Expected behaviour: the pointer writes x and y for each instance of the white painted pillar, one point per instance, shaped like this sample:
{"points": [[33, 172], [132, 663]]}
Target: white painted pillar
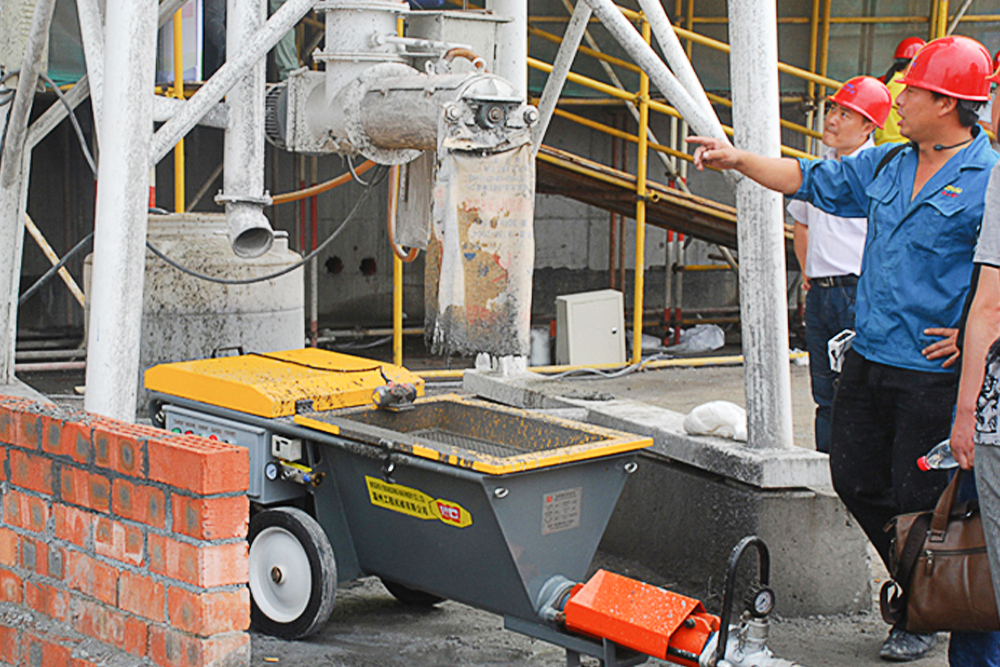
{"points": [[92, 36], [122, 197], [14, 167], [753, 37], [243, 179], [512, 42]]}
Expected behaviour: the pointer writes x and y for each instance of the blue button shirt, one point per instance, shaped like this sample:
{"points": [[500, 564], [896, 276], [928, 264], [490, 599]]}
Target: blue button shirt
{"points": [[918, 254]]}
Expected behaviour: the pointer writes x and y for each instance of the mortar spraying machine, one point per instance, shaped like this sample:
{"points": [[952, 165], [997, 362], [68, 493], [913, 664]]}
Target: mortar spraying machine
{"points": [[354, 473]]}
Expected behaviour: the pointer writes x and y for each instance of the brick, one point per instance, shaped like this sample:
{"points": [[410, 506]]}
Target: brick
{"points": [[74, 525], [205, 566], [7, 424], [117, 449], [210, 518], [109, 626], [24, 511], [27, 429], [35, 556], [207, 614], [11, 587], [67, 438], [141, 596], [138, 502], [199, 465], [91, 577], [3, 464], [47, 600], [80, 487], [113, 539], [39, 652], [10, 545], [10, 644], [170, 648], [31, 472]]}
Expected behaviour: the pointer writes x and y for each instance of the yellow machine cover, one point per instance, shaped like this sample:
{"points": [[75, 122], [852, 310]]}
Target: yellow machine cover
{"points": [[270, 385]]}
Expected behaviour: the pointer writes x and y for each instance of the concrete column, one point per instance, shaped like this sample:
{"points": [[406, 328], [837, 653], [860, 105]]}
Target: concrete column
{"points": [[122, 197], [92, 36], [512, 42], [14, 168], [753, 37], [243, 179]]}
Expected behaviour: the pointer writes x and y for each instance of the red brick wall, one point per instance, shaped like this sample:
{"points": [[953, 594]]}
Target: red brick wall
{"points": [[119, 540]]}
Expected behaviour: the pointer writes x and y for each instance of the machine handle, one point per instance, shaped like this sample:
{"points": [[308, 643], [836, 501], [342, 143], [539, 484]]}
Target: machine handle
{"points": [[764, 576]]}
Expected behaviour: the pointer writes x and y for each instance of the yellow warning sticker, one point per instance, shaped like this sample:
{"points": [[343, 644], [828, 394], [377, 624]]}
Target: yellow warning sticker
{"points": [[403, 499]]}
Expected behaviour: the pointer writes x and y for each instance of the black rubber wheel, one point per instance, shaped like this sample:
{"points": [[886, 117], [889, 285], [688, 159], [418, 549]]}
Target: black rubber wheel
{"points": [[411, 596], [293, 574]]}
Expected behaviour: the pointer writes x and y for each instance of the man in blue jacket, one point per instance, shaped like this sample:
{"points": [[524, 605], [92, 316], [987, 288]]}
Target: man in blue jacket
{"points": [[924, 204]]}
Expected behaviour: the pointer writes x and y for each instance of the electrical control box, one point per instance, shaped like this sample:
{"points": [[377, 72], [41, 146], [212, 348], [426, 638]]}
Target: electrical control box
{"points": [[258, 441], [590, 328]]}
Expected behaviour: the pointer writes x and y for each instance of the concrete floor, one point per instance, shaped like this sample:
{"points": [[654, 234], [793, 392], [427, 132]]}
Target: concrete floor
{"points": [[369, 628]]}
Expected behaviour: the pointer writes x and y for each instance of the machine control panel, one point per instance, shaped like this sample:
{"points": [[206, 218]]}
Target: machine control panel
{"points": [[260, 442]]}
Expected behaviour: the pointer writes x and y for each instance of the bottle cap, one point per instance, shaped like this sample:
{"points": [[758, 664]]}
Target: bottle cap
{"points": [[923, 464]]}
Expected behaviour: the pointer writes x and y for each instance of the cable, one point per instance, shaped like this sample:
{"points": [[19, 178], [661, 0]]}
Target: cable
{"points": [[606, 375], [55, 267], [247, 281], [350, 167], [73, 120]]}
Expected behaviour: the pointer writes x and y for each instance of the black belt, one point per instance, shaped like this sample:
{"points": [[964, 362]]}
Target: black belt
{"points": [[849, 280]]}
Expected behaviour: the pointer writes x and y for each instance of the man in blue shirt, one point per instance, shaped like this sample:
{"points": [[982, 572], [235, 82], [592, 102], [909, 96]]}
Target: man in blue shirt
{"points": [[924, 203]]}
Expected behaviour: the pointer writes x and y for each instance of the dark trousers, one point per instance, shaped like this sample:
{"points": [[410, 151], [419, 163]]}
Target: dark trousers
{"points": [[884, 418], [829, 310]]}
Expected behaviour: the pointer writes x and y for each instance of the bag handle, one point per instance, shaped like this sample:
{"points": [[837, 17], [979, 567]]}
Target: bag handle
{"points": [[939, 524]]}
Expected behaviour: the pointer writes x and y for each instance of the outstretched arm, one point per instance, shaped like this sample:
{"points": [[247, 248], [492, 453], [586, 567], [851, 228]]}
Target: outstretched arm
{"points": [[781, 174]]}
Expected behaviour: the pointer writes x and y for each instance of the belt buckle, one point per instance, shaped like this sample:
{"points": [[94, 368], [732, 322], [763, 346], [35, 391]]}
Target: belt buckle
{"points": [[826, 281]]}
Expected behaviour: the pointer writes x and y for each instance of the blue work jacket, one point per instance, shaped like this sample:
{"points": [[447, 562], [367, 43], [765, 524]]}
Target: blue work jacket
{"points": [[918, 254]]}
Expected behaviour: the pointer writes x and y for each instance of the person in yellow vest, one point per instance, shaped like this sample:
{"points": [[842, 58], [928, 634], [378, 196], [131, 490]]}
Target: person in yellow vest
{"points": [[905, 51]]}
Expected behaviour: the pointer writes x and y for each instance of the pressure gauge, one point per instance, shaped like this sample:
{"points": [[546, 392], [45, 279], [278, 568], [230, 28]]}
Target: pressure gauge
{"points": [[762, 602], [271, 471]]}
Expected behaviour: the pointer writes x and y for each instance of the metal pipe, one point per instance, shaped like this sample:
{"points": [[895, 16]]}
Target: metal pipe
{"points": [[958, 16], [942, 19], [115, 326], [178, 30], [763, 306], [811, 87], [644, 56], [250, 51], [640, 208], [512, 42], [397, 272], [15, 164], [243, 194], [52, 366], [668, 163], [164, 108], [677, 58], [48, 355], [314, 264], [560, 68], [53, 258]]}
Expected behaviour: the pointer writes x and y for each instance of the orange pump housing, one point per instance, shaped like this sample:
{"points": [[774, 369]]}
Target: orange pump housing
{"points": [[640, 616]]}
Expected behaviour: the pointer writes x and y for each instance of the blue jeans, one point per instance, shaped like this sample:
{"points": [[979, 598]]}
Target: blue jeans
{"points": [[973, 649], [829, 310]]}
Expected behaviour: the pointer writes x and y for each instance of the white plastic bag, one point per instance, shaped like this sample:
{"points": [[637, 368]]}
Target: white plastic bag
{"points": [[719, 418], [699, 338]]}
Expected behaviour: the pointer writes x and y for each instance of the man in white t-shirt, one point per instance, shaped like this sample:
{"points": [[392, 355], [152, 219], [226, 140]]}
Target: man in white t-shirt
{"points": [[828, 247]]}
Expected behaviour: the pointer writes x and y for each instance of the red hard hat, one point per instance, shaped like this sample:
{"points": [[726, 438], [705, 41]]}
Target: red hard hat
{"points": [[908, 48], [954, 66], [866, 95]]}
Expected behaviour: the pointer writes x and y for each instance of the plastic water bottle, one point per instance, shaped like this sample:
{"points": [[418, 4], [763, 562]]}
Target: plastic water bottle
{"points": [[939, 458]]}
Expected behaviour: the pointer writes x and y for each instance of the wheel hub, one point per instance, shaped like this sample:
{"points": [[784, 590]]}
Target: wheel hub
{"points": [[280, 575]]}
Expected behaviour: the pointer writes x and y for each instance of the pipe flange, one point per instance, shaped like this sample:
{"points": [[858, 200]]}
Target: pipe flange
{"points": [[351, 97], [362, 5], [263, 200]]}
